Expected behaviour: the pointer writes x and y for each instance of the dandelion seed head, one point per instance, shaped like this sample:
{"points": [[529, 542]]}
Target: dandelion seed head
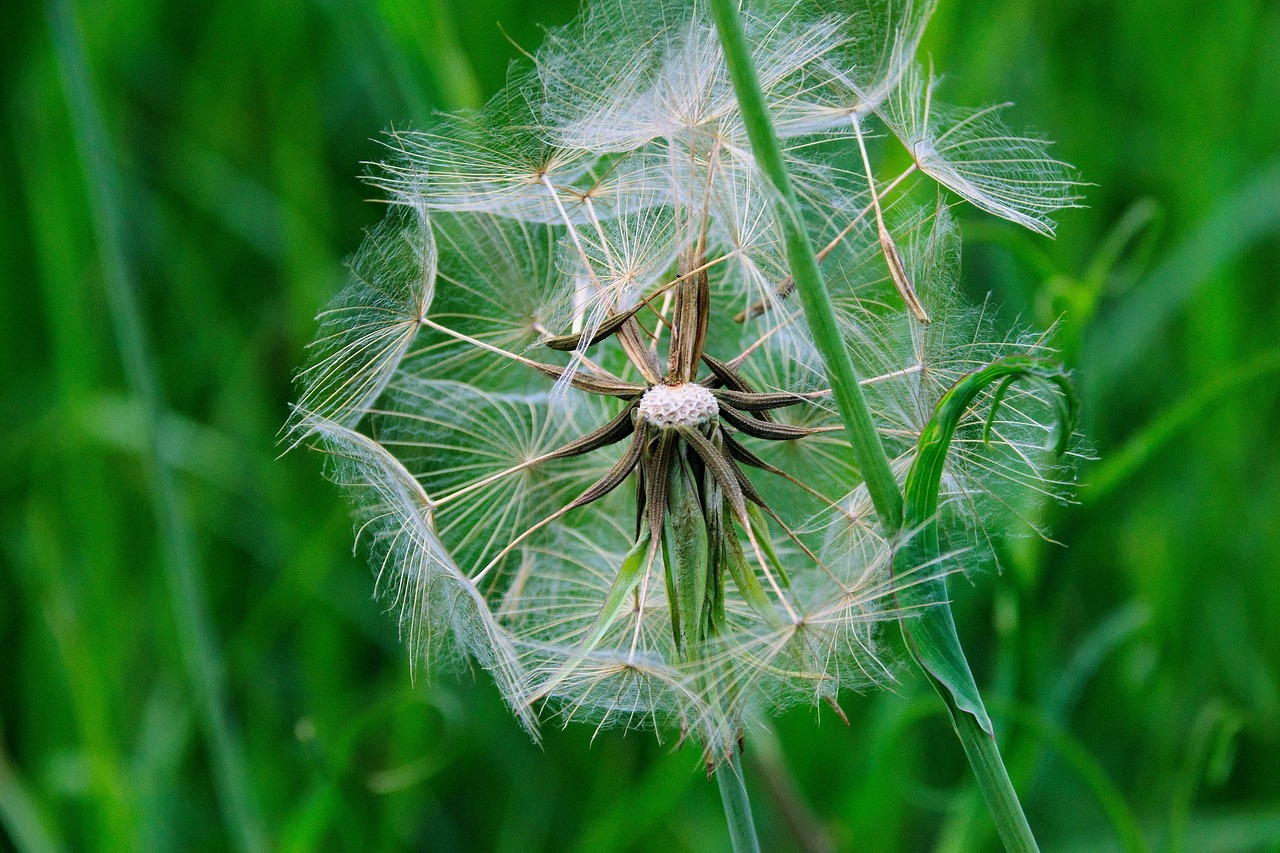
{"points": [[578, 411]]}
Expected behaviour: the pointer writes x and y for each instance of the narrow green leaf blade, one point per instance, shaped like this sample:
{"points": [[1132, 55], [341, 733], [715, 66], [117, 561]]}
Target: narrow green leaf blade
{"points": [[629, 574], [685, 552], [931, 634], [931, 630]]}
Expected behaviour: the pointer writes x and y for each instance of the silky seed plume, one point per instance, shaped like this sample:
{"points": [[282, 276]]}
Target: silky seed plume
{"points": [[575, 403]]}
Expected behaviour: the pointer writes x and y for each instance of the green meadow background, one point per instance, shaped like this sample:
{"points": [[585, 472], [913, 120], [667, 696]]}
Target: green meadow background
{"points": [[189, 655]]}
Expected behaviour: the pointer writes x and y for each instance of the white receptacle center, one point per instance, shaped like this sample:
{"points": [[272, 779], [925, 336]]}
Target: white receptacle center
{"points": [[669, 406]]}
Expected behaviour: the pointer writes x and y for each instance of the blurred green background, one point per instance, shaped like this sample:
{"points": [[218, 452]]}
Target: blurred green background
{"points": [[189, 656]]}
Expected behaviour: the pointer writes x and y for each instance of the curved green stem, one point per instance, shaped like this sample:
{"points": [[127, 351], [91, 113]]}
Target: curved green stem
{"points": [[737, 808], [931, 631]]}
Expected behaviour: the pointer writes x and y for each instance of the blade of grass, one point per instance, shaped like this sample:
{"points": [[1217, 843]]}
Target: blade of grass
{"points": [[807, 832], [643, 806], [1215, 723], [72, 495], [197, 645], [431, 30], [88, 688], [1121, 817]]}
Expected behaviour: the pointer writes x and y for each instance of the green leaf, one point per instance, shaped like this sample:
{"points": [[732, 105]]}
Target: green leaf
{"points": [[931, 635], [718, 528], [928, 625], [746, 581], [629, 574], [931, 631], [632, 569]]}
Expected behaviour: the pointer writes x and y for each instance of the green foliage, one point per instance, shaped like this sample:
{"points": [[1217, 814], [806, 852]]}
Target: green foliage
{"points": [[1132, 673]]}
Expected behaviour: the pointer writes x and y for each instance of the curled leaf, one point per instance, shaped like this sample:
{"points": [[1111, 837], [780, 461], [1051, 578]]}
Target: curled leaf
{"points": [[931, 631]]}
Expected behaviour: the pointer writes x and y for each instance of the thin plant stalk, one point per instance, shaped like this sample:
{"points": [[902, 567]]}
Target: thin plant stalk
{"points": [[737, 807], [993, 781], [819, 312], [931, 634], [868, 451], [196, 641]]}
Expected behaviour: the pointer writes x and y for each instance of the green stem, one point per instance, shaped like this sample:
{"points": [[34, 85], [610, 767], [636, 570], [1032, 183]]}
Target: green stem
{"points": [[737, 808], [931, 632], [820, 314], [867, 449], [993, 780]]}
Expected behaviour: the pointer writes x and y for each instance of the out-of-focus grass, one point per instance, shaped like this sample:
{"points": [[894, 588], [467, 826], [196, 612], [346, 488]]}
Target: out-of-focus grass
{"points": [[1134, 671]]}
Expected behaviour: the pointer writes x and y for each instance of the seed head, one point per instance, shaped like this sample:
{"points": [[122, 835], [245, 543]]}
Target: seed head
{"points": [[576, 407], [683, 405]]}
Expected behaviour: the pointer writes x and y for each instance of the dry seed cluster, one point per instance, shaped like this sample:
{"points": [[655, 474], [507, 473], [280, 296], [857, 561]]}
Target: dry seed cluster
{"points": [[580, 287]]}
